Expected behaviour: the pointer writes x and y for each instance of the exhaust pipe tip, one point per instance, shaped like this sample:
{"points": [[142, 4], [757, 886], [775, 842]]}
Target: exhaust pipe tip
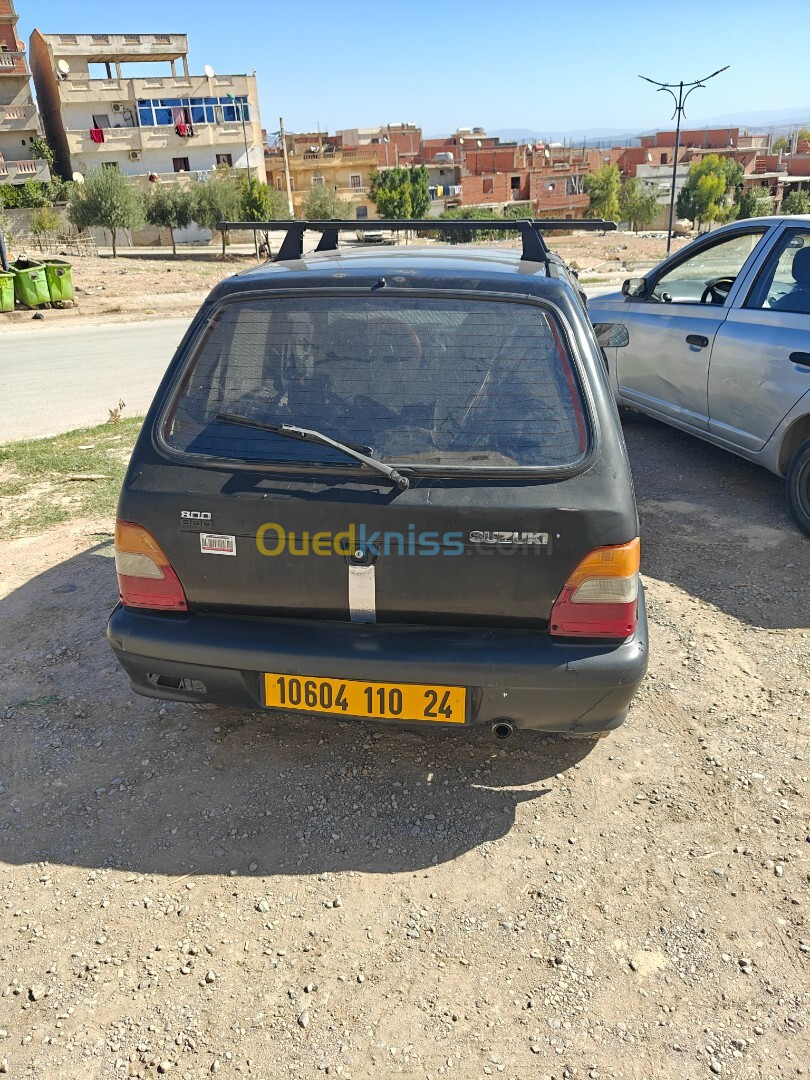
{"points": [[502, 729]]}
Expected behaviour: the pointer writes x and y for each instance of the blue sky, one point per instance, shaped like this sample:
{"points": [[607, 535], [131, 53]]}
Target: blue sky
{"points": [[538, 65]]}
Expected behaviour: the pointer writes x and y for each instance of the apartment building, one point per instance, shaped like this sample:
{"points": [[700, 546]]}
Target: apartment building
{"points": [[315, 158], [171, 124], [19, 121]]}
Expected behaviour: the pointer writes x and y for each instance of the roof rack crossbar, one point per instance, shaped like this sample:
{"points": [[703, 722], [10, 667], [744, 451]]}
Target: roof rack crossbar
{"points": [[531, 230]]}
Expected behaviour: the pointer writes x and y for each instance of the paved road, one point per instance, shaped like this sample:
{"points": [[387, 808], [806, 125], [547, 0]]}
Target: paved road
{"points": [[55, 378]]}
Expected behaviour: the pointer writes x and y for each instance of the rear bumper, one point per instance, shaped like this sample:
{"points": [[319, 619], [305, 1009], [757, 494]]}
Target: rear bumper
{"points": [[519, 675]]}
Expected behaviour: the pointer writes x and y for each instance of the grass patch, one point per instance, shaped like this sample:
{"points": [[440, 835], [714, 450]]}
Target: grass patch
{"points": [[35, 486], [592, 280]]}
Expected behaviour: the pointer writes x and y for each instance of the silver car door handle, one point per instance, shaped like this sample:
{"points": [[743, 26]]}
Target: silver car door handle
{"points": [[697, 339], [800, 358]]}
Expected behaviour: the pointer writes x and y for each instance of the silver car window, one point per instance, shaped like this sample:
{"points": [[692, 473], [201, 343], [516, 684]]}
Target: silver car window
{"points": [[784, 284], [706, 276]]}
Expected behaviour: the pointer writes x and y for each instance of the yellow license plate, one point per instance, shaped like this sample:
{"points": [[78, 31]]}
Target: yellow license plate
{"points": [[367, 700]]}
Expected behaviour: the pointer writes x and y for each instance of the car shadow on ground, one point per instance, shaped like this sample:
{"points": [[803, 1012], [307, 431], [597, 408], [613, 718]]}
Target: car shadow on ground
{"points": [[717, 526], [93, 775]]}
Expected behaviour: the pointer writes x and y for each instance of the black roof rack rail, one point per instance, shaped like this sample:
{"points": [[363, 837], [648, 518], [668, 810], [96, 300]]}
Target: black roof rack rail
{"points": [[530, 229]]}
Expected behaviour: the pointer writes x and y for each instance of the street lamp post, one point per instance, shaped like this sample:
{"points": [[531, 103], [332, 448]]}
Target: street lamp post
{"points": [[239, 105], [680, 102]]}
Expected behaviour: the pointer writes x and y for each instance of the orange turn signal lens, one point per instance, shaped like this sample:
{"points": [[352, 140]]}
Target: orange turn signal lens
{"points": [[146, 578]]}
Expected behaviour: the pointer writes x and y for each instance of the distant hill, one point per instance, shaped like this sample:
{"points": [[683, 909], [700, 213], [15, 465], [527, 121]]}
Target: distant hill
{"points": [[766, 120]]}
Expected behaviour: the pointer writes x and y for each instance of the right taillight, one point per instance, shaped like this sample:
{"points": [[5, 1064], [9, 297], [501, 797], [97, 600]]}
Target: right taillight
{"points": [[146, 578], [600, 598]]}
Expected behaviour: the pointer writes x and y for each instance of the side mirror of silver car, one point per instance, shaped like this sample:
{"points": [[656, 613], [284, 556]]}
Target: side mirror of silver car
{"points": [[635, 286]]}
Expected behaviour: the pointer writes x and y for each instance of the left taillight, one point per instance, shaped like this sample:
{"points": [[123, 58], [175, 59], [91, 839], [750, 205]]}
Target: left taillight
{"points": [[146, 578], [600, 598]]}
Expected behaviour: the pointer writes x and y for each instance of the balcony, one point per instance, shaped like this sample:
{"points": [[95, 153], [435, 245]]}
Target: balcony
{"points": [[123, 138], [18, 118], [12, 63], [18, 172], [125, 48]]}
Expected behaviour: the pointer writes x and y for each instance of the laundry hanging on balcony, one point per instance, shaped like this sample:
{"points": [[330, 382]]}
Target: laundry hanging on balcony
{"points": [[97, 135], [186, 130], [182, 121]]}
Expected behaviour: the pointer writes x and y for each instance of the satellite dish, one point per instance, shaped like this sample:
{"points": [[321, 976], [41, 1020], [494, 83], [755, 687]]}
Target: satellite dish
{"points": [[78, 177], [478, 142], [209, 71], [63, 67]]}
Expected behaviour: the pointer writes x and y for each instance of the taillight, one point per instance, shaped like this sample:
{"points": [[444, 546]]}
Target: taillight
{"points": [[600, 598], [145, 576]]}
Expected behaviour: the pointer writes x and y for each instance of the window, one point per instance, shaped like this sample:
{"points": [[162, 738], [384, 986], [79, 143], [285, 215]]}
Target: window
{"points": [[278, 183], [665, 159], [110, 165], [224, 159], [180, 164], [488, 185], [784, 284], [423, 380], [210, 110], [356, 180], [317, 179], [514, 183], [707, 275]]}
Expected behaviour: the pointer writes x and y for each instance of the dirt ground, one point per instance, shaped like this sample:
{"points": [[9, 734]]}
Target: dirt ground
{"points": [[158, 284], [261, 896]]}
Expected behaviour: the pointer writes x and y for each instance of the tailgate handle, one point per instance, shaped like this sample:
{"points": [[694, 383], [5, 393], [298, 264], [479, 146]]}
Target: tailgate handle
{"points": [[697, 339], [800, 358]]}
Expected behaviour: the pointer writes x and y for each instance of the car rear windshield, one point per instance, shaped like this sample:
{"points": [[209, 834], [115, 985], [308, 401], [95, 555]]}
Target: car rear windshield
{"points": [[422, 381]]}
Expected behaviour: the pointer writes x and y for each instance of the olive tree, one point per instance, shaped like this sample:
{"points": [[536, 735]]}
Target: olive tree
{"points": [[169, 206], [108, 200]]}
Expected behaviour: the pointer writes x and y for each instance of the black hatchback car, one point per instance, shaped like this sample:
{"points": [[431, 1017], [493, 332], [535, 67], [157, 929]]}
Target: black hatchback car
{"points": [[388, 484]]}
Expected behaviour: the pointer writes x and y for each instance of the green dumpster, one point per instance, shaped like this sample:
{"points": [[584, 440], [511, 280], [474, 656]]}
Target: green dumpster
{"points": [[6, 292], [59, 276], [30, 283]]}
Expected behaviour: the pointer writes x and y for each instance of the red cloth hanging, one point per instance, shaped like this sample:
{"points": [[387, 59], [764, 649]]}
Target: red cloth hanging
{"points": [[97, 135], [181, 129]]}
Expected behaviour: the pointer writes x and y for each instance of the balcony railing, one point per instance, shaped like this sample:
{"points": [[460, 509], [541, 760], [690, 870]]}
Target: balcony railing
{"points": [[17, 172], [13, 63], [18, 118]]}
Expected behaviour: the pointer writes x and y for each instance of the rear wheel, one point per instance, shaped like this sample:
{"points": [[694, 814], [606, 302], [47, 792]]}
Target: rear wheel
{"points": [[798, 487]]}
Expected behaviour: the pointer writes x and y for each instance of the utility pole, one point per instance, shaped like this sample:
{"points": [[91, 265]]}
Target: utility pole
{"points": [[680, 102], [286, 165]]}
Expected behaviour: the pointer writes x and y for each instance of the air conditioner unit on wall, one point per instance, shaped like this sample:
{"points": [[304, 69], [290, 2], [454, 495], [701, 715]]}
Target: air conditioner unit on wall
{"points": [[134, 155], [117, 106]]}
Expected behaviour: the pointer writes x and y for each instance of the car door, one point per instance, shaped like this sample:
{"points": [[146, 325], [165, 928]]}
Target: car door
{"points": [[665, 368], [760, 365]]}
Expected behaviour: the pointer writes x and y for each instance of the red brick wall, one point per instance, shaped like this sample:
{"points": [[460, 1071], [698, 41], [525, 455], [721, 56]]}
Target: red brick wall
{"points": [[708, 138]]}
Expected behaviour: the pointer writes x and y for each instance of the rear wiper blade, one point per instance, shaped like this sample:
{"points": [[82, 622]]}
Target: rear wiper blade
{"points": [[309, 435]]}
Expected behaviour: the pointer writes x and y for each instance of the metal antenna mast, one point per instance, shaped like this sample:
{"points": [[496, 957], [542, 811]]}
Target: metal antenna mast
{"points": [[680, 102]]}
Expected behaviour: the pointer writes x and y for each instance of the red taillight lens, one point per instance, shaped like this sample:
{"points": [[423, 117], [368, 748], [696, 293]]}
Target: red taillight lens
{"points": [[600, 598], [145, 576]]}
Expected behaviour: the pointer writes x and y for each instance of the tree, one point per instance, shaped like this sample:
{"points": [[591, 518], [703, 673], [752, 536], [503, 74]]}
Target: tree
{"points": [[46, 220], [603, 188], [803, 134], [712, 186], [465, 213], [779, 144], [217, 199], [420, 192], [796, 202], [106, 199], [391, 193], [322, 203], [169, 206], [756, 202], [260, 202], [637, 205]]}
